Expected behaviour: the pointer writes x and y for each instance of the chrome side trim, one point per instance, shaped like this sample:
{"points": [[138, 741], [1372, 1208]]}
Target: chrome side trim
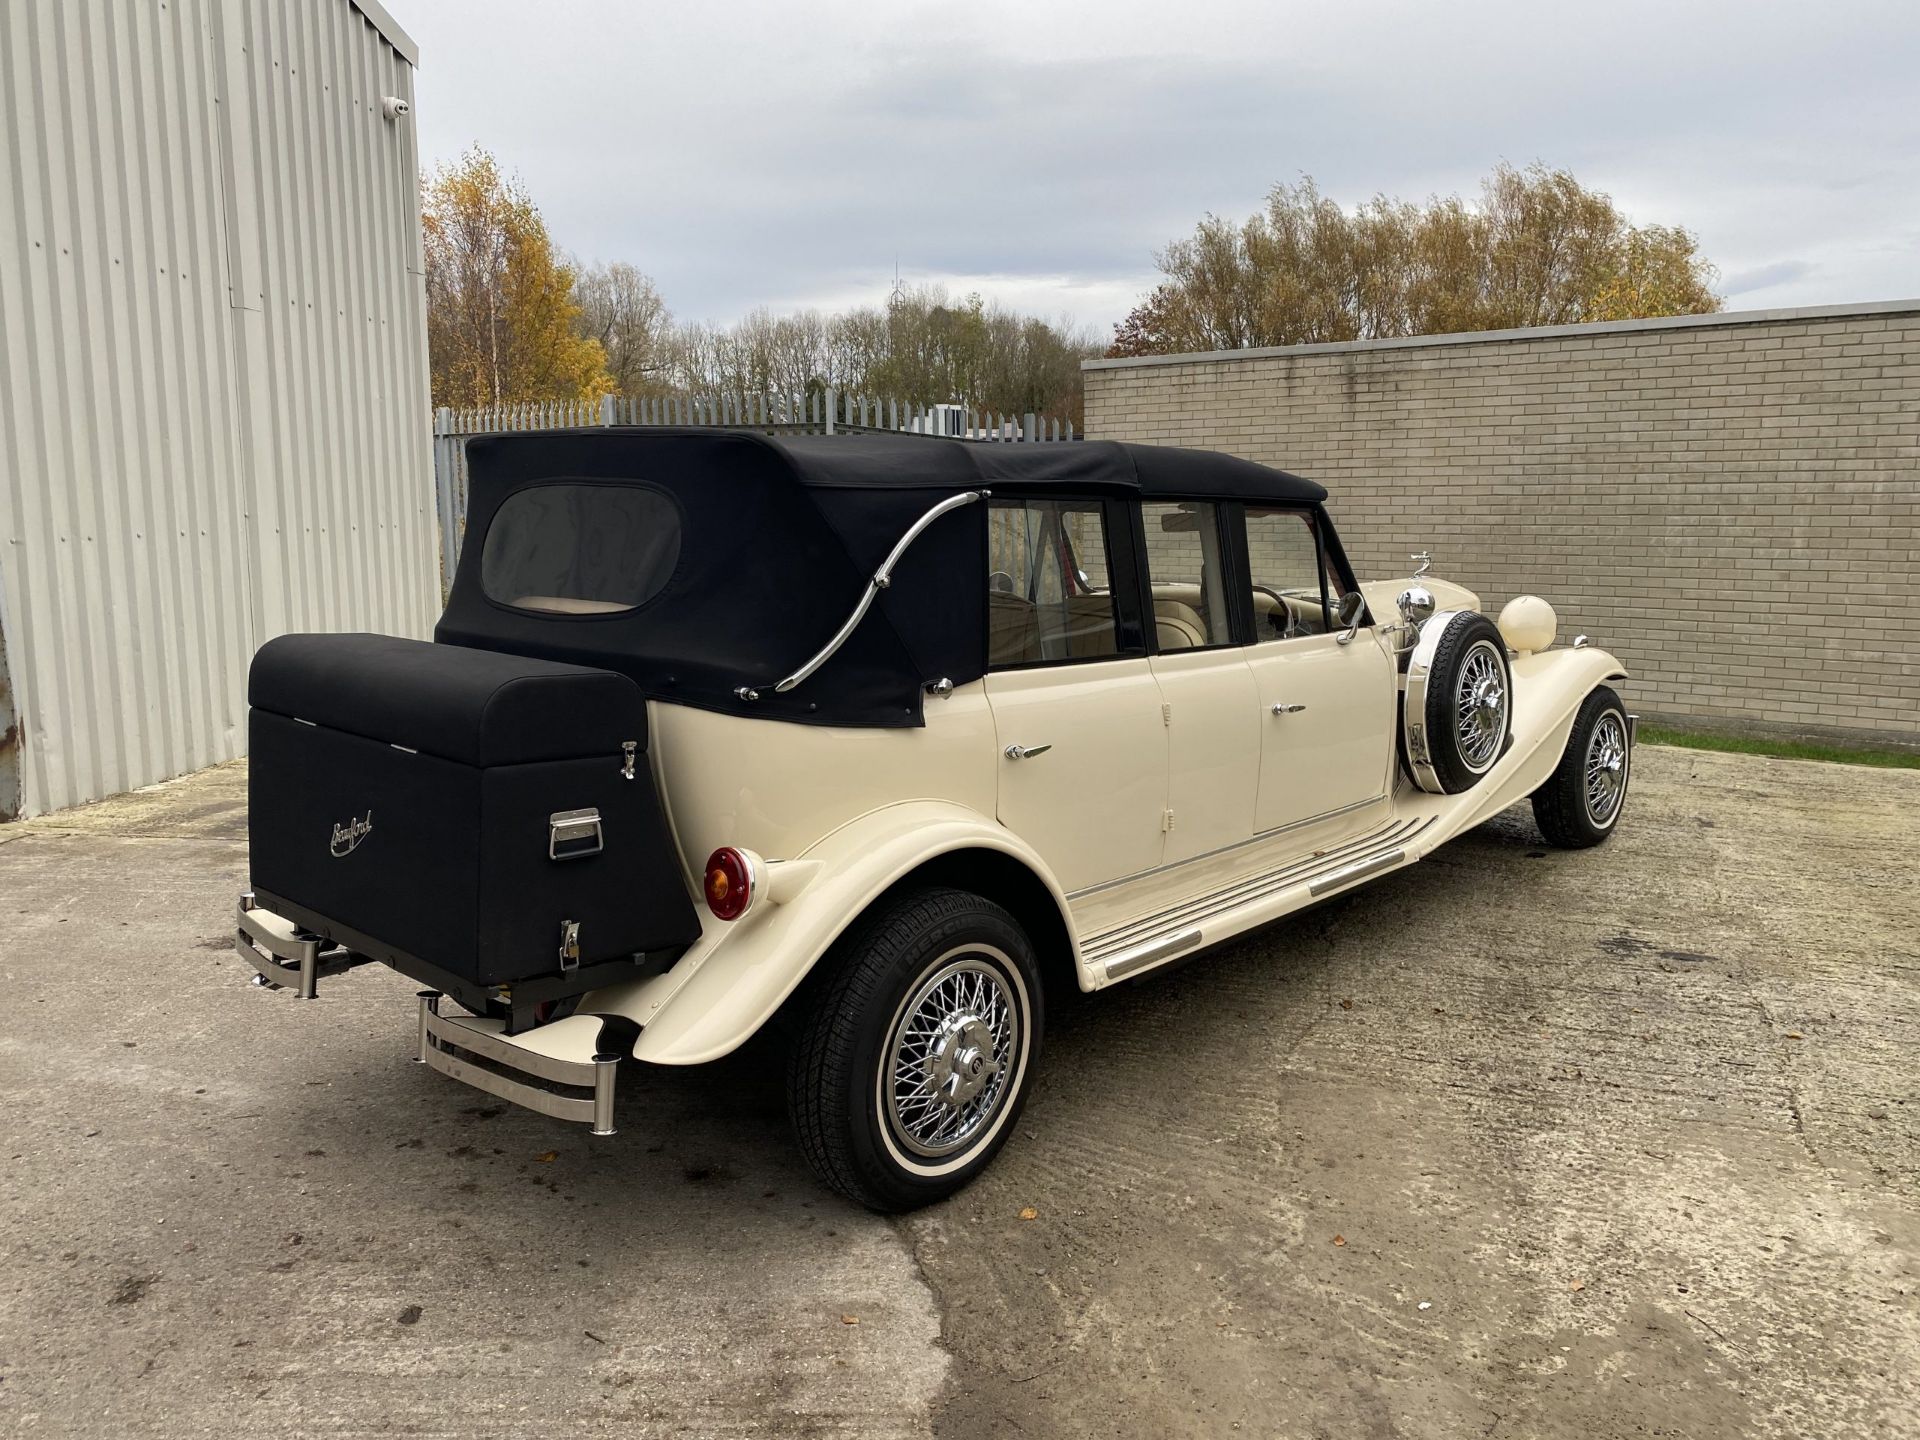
{"points": [[437, 1032], [1373, 865], [1386, 845], [1123, 965], [1082, 894], [882, 578]]}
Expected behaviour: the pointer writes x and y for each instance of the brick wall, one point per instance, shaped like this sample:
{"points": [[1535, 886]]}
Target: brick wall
{"points": [[1731, 503]]}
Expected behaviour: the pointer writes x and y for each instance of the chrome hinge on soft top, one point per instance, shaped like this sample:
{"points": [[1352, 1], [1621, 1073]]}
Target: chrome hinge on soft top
{"points": [[569, 944], [882, 578], [627, 749]]}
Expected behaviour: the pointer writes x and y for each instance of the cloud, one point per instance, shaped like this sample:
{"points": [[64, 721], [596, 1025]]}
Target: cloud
{"points": [[775, 154], [1766, 277]]}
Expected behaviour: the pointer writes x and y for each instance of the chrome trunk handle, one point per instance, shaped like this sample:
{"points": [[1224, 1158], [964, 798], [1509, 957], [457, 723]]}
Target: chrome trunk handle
{"points": [[1026, 752]]}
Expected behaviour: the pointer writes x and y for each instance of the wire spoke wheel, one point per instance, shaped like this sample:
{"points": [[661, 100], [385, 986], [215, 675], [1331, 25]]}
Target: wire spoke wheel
{"points": [[1581, 802], [1480, 706], [1605, 770], [950, 1055]]}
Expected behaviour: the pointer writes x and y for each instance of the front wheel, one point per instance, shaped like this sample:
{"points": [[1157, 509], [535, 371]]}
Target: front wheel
{"points": [[1581, 801], [913, 1059]]}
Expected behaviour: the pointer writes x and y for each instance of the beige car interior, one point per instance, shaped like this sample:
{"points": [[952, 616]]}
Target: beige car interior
{"points": [[567, 605], [1021, 632]]}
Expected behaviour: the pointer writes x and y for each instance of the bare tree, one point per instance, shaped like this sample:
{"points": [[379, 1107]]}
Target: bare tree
{"points": [[620, 309]]}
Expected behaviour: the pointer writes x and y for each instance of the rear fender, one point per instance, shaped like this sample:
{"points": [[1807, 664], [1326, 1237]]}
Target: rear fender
{"points": [[739, 972]]}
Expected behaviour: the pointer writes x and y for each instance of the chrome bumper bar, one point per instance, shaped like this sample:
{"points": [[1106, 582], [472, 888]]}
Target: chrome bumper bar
{"points": [[283, 957], [440, 1036]]}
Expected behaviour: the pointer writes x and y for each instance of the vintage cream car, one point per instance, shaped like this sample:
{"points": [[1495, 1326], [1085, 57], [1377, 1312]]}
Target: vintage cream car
{"points": [[889, 738]]}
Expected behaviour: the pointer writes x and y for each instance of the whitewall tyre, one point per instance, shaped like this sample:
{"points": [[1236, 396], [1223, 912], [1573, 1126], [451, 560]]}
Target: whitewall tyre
{"points": [[1580, 804], [916, 1051]]}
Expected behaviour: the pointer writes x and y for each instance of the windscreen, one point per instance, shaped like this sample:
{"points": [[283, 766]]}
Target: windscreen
{"points": [[581, 548]]}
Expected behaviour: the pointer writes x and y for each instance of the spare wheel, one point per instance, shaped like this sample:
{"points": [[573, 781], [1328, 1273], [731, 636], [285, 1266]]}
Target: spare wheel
{"points": [[1459, 702]]}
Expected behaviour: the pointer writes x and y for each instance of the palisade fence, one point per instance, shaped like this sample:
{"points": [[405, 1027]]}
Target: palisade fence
{"points": [[821, 412]]}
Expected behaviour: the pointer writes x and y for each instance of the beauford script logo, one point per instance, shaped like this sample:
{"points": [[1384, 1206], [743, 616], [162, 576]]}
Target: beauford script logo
{"points": [[346, 836]]}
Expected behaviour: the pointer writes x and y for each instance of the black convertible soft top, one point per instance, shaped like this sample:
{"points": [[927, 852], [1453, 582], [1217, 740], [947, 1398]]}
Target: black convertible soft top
{"points": [[777, 537]]}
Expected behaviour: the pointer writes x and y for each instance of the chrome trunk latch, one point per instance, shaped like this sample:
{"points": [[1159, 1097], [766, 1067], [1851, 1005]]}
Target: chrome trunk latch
{"points": [[628, 747], [569, 944]]}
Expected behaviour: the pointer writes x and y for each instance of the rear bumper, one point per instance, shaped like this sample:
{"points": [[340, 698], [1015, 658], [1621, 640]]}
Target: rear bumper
{"points": [[285, 957], [471, 1049], [484, 1060]]}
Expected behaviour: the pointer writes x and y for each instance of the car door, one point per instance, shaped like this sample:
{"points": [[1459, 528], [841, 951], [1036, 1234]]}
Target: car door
{"points": [[1206, 686], [1327, 708], [1076, 709]]}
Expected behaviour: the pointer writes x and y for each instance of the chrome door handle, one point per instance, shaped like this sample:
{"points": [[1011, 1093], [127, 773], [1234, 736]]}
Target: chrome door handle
{"points": [[1284, 709], [1026, 752]]}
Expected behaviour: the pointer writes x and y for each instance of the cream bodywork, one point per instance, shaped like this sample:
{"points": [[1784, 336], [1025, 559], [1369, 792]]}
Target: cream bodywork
{"points": [[840, 815]]}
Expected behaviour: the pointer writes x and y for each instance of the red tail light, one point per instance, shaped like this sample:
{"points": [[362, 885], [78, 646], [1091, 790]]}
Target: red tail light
{"points": [[730, 883]]}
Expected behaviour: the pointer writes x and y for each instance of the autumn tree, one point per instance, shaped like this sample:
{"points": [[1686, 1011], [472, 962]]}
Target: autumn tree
{"points": [[501, 314], [1537, 249]]}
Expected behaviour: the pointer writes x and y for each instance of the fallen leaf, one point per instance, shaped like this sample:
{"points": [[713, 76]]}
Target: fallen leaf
{"points": [[1578, 1285], [849, 1319], [1346, 1004], [1795, 1035], [1029, 1213], [1340, 1240], [548, 1158], [409, 1316]]}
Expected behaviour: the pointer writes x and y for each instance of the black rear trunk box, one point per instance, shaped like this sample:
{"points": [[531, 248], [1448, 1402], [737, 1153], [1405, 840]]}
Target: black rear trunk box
{"points": [[402, 796]]}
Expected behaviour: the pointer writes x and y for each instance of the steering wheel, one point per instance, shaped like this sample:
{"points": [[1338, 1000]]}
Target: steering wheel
{"points": [[1292, 629]]}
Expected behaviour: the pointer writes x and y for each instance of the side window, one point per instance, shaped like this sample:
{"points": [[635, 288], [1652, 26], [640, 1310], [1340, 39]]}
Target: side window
{"points": [[1291, 587], [1183, 566], [1049, 598]]}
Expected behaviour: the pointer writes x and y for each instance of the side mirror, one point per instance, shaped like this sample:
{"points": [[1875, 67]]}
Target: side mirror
{"points": [[1352, 605]]}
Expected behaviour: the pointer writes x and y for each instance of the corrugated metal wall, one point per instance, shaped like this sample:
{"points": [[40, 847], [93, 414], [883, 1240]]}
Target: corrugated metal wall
{"points": [[213, 385]]}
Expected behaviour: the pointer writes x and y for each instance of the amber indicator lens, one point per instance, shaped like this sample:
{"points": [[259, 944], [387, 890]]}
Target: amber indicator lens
{"points": [[729, 883]]}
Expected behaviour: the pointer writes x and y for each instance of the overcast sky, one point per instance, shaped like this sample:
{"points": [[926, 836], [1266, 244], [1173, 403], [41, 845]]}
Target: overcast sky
{"points": [[792, 154]]}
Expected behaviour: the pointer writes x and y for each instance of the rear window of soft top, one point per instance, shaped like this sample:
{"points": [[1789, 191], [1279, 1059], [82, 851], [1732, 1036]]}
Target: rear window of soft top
{"points": [[581, 548]]}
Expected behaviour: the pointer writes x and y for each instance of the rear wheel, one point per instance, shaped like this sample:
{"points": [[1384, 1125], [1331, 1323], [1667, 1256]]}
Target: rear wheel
{"points": [[913, 1059], [1581, 802]]}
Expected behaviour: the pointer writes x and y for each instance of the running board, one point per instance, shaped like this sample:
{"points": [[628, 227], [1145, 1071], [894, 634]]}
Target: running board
{"points": [[1140, 945]]}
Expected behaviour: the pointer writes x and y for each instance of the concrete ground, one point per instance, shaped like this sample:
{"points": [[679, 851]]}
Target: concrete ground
{"points": [[1516, 1143]]}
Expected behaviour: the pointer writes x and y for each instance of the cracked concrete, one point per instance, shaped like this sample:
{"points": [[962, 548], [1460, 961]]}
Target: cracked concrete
{"points": [[1516, 1143]]}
